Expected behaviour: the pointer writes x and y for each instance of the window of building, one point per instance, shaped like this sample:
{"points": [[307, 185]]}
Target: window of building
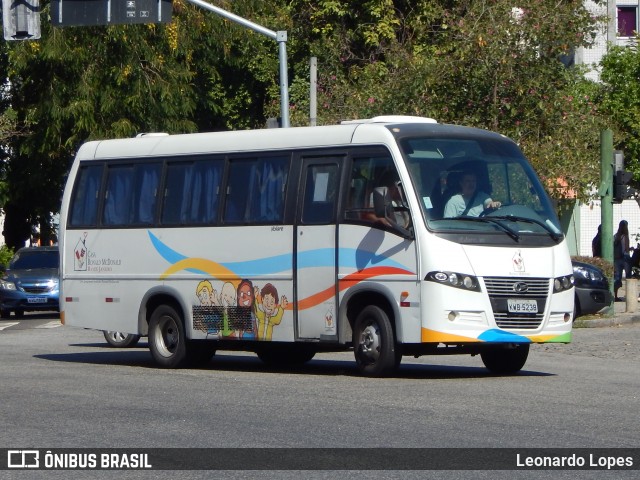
{"points": [[627, 21]]}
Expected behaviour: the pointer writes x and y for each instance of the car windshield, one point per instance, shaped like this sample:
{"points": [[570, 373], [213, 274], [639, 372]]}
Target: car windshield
{"points": [[32, 259], [478, 184]]}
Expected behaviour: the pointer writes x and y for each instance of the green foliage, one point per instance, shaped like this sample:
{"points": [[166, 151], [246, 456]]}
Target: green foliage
{"points": [[480, 63], [621, 100], [6, 254]]}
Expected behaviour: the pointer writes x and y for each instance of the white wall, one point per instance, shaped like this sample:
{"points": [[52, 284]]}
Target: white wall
{"points": [[590, 219]]}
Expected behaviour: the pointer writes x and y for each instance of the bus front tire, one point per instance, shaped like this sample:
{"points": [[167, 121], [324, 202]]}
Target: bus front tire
{"points": [[167, 340], [505, 360], [374, 343]]}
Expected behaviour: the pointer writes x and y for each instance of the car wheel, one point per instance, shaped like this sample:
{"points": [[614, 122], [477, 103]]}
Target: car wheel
{"points": [[5, 313], [505, 360], [374, 343], [19, 313], [121, 340]]}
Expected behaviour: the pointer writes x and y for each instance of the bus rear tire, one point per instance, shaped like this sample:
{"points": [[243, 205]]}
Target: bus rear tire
{"points": [[374, 343], [121, 340], [167, 340], [505, 360]]}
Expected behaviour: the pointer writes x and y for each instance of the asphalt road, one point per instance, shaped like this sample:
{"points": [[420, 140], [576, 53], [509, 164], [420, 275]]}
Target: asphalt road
{"points": [[63, 387]]}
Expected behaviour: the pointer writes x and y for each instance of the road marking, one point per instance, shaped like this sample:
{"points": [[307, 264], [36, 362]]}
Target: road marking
{"points": [[4, 325], [52, 324]]}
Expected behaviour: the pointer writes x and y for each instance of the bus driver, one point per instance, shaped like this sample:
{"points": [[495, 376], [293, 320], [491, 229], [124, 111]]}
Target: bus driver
{"points": [[469, 201]]}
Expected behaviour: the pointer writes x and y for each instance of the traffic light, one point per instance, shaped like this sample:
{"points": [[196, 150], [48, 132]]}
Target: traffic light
{"points": [[621, 190], [621, 178], [21, 19]]}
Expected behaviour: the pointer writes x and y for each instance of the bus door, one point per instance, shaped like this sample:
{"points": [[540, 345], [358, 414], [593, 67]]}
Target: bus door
{"points": [[316, 248]]}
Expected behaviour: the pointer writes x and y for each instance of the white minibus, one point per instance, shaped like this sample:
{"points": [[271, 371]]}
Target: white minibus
{"points": [[393, 236]]}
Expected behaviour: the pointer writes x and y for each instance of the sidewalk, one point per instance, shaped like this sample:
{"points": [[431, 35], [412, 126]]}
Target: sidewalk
{"points": [[619, 317]]}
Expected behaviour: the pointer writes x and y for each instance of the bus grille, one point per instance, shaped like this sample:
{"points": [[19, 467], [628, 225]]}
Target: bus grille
{"points": [[502, 288]]}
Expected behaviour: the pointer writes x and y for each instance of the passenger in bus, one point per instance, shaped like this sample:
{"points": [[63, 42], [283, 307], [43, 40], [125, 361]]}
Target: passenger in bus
{"points": [[470, 201]]}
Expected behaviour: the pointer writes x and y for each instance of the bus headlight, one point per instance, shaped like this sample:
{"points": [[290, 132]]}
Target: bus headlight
{"points": [[454, 279], [560, 284]]}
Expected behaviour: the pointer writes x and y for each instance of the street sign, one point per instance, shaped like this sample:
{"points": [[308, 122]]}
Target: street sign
{"points": [[21, 19], [67, 13]]}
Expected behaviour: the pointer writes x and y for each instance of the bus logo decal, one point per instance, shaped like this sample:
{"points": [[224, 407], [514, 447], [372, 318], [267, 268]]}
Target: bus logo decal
{"points": [[518, 262], [80, 254], [520, 287]]}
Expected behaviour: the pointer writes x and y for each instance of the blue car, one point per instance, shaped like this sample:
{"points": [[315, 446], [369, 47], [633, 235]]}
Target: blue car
{"points": [[592, 289], [31, 282]]}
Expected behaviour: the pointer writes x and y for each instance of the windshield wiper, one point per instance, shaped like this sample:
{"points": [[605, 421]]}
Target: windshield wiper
{"points": [[508, 230], [555, 235]]}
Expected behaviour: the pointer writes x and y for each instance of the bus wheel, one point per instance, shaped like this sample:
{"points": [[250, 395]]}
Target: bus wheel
{"points": [[505, 360], [280, 355], [121, 340], [374, 343], [167, 340]]}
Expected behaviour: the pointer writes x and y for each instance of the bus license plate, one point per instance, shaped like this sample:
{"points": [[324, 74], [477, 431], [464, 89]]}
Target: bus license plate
{"points": [[522, 306], [36, 300]]}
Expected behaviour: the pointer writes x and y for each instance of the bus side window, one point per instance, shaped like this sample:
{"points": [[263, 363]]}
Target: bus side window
{"points": [[146, 180], [366, 174], [117, 206], [192, 192], [320, 194], [84, 206], [255, 190], [131, 194]]}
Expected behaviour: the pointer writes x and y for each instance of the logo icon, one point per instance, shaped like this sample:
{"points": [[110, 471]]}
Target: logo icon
{"points": [[23, 459], [80, 255], [518, 262], [520, 287]]}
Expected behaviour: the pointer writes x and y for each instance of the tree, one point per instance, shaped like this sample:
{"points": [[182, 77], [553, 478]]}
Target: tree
{"points": [[83, 83], [482, 63], [621, 100]]}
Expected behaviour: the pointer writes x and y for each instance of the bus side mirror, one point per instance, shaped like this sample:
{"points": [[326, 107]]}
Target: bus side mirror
{"points": [[382, 203], [383, 208]]}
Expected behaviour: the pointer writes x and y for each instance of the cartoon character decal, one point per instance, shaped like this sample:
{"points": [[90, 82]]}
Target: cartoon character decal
{"points": [[229, 314], [205, 293], [268, 311], [243, 310]]}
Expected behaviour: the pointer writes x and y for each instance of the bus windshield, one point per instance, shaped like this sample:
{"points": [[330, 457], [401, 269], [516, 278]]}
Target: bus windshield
{"points": [[478, 184]]}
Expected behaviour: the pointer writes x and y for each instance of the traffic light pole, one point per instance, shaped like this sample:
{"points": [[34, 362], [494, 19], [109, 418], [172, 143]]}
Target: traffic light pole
{"points": [[606, 197], [280, 37]]}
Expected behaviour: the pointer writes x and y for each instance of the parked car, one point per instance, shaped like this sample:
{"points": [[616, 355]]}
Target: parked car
{"points": [[592, 289], [31, 282]]}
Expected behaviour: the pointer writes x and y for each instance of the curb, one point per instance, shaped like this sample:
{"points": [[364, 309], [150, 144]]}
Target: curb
{"points": [[619, 319]]}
